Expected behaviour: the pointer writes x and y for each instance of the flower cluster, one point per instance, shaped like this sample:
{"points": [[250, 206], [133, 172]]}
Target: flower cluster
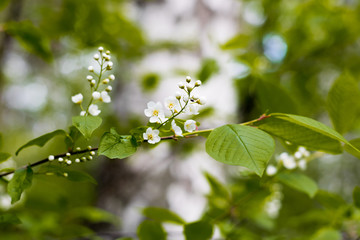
{"points": [[183, 102], [68, 158], [290, 161], [272, 204], [99, 84]]}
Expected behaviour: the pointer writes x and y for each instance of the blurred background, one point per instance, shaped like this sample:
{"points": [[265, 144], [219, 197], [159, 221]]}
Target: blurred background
{"points": [[252, 56]]}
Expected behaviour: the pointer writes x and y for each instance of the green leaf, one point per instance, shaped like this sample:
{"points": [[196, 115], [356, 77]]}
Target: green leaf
{"points": [[150, 230], [343, 103], [218, 189], [150, 81], [71, 138], [30, 37], [21, 180], [113, 145], [9, 219], [330, 200], [299, 182], [241, 145], [4, 156], [86, 124], [199, 230], [302, 131], [162, 215], [239, 41], [3, 4], [326, 234], [42, 140], [356, 196], [77, 176], [208, 68], [6, 170], [274, 98]]}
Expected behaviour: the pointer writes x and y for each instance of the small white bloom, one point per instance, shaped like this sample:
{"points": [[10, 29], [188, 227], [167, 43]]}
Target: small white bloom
{"points": [[108, 88], [91, 68], [89, 77], [105, 97], [172, 104], [51, 158], [178, 95], [96, 95], [271, 170], [287, 160], [94, 110], [96, 56], [192, 109], [302, 164], [107, 52], [92, 83], [152, 136], [60, 159], [273, 207], [176, 129], [155, 112], [106, 81], [78, 98], [188, 79], [190, 125], [304, 153], [189, 87], [185, 98], [110, 64], [82, 113], [201, 101], [181, 85], [197, 83], [68, 161], [112, 77], [77, 160], [68, 154], [101, 49]]}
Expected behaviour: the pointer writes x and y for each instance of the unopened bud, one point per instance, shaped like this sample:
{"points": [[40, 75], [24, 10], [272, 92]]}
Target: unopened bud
{"points": [[101, 49], [96, 56], [51, 158], [188, 79], [112, 77], [92, 83], [106, 81], [107, 52], [89, 77], [197, 83], [108, 89], [181, 85]]}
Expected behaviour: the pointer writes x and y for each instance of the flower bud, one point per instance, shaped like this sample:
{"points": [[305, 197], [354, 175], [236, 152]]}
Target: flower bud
{"points": [[83, 159], [82, 113], [77, 160], [108, 89], [112, 77], [202, 100], [90, 158], [89, 147], [68, 161], [96, 57], [197, 83], [51, 158], [60, 159], [91, 69], [65, 174], [189, 87], [92, 153], [188, 79], [92, 83], [68, 154], [178, 95], [78, 149], [107, 52], [96, 95], [101, 49], [106, 81], [181, 85], [89, 77]]}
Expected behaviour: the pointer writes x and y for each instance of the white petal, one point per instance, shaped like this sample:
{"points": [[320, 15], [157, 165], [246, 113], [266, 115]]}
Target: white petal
{"points": [[96, 95]]}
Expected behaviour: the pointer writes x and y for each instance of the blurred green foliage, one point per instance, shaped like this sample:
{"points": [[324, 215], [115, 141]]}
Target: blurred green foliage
{"points": [[293, 58]]}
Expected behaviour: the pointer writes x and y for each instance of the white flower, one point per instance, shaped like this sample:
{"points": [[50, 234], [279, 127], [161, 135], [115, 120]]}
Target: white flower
{"points": [[185, 98], [152, 136], [105, 97], [201, 101], [177, 130], [192, 109], [172, 104], [96, 95], [273, 207], [51, 157], [181, 85], [178, 95], [189, 87], [89, 77], [78, 98], [197, 83], [101, 49], [94, 110], [302, 164], [91, 68], [271, 170], [190, 125], [108, 89], [287, 160], [155, 112], [96, 56], [82, 113], [301, 152], [112, 77], [110, 64], [106, 81], [188, 79]]}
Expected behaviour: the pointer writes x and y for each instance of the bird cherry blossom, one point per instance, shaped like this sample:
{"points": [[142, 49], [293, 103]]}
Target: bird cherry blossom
{"points": [[190, 125], [155, 112], [151, 135]]}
